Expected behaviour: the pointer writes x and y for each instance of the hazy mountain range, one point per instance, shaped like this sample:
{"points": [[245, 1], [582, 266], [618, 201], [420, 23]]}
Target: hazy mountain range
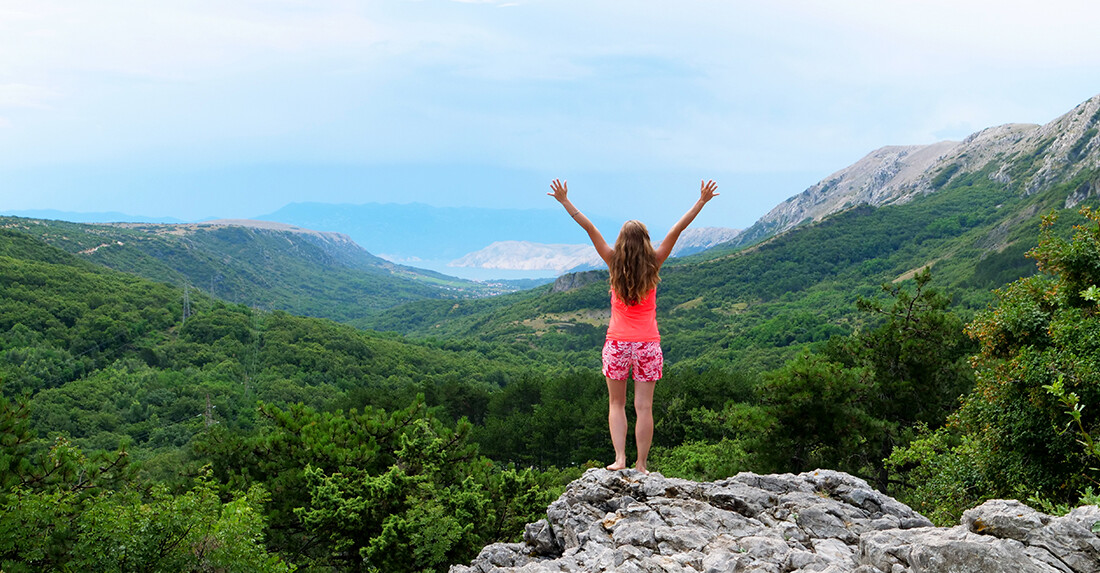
{"points": [[525, 255], [406, 232], [451, 239], [448, 240]]}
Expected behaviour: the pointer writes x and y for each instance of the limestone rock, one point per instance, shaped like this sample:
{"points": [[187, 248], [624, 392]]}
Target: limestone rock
{"points": [[570, 281], [820, 521]]}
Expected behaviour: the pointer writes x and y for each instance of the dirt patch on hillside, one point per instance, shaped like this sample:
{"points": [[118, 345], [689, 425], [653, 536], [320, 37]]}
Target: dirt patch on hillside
{"points": [[557, 320]]}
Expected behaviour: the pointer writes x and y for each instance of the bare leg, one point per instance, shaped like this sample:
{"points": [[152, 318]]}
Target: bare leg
{"points": [[616, 421], [643, 426]]}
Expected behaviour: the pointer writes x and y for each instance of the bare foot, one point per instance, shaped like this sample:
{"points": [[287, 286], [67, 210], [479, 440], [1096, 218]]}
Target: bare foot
{"points": [[616, 466], [641, 469]]}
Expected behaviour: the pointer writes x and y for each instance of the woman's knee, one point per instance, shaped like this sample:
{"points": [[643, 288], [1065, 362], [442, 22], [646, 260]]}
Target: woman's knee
{"points": [[643, 396], [616, 392]]}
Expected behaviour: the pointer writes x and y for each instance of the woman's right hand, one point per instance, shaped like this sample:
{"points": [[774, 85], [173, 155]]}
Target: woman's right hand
{"points": [[559, 189]]}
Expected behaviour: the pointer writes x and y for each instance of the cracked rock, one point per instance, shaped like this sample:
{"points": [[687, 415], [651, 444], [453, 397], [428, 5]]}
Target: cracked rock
{"points": [[821, 521]]}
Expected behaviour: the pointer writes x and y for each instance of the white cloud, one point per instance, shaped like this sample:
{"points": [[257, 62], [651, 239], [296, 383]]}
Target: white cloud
{"points": [[27, 96], [561, 84], [176, 40]]}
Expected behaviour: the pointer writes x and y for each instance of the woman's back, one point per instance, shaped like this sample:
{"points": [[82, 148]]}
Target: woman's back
{"points": [[634, 323]]}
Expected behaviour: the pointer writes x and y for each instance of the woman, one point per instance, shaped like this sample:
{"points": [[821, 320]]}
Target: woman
{"points": [[633, 343]]}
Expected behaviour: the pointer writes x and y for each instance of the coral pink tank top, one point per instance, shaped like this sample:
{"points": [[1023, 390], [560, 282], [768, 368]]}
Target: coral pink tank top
{"points": [[636, 323]]}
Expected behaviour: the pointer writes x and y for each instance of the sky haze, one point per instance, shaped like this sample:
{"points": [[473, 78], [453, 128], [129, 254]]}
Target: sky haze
{"points": [[196, 109]]}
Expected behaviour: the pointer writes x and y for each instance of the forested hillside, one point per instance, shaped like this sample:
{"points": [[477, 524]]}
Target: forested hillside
{"points": [[266, 265], [246, 430], [97, 361]]}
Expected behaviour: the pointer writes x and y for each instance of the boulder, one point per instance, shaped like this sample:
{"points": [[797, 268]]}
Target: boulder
{"points": [[821, 521]]}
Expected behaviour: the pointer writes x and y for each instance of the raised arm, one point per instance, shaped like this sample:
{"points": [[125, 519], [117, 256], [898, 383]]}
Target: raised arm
{"points": [[707, 191], [560, 191]]}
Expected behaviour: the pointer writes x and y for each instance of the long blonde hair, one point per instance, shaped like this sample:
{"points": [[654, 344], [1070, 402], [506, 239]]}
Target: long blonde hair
{"points": [[634, 264]]}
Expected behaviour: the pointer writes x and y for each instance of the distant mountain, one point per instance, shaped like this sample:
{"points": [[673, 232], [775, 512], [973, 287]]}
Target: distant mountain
{"points": [[102, 217], [1026, 156], [696, 239], [525, 255], [407, 232], [258, 263]]}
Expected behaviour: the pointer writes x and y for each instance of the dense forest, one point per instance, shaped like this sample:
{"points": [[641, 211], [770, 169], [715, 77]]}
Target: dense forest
{"points": [[147, 426]]}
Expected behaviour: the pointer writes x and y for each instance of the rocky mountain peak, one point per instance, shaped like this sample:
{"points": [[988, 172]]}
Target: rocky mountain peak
{"points": [[886, 175], [823, 521], [1031, 156], [1068, 145]]}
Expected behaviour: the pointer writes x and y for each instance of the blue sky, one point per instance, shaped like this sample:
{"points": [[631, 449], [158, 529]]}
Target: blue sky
{"points": [[199, 108]]}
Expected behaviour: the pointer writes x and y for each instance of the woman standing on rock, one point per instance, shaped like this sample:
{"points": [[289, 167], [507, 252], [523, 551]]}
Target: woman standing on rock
{"points": [[633, 343]]}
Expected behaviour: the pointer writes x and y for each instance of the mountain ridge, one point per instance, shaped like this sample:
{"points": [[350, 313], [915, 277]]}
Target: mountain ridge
{"points": [[263, 264], [1030, 157]]}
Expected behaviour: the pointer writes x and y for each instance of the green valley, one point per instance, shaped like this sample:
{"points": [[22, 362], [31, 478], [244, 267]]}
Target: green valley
{"points": [[943, 347]]}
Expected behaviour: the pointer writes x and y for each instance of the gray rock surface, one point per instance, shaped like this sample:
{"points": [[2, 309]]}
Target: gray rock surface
{"points": [[570, 281], [820, 521]]}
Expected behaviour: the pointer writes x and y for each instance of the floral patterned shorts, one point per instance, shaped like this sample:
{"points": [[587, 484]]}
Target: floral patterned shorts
{"points": [[644, 357]]}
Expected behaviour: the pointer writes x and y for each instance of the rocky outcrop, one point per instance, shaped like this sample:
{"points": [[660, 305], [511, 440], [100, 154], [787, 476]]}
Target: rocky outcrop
{"points": [[822, 521], [570, 281]]}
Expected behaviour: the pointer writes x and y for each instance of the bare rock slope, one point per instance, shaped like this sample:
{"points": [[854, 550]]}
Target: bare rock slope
{"points": [[1031, 157], [821, 521]]}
